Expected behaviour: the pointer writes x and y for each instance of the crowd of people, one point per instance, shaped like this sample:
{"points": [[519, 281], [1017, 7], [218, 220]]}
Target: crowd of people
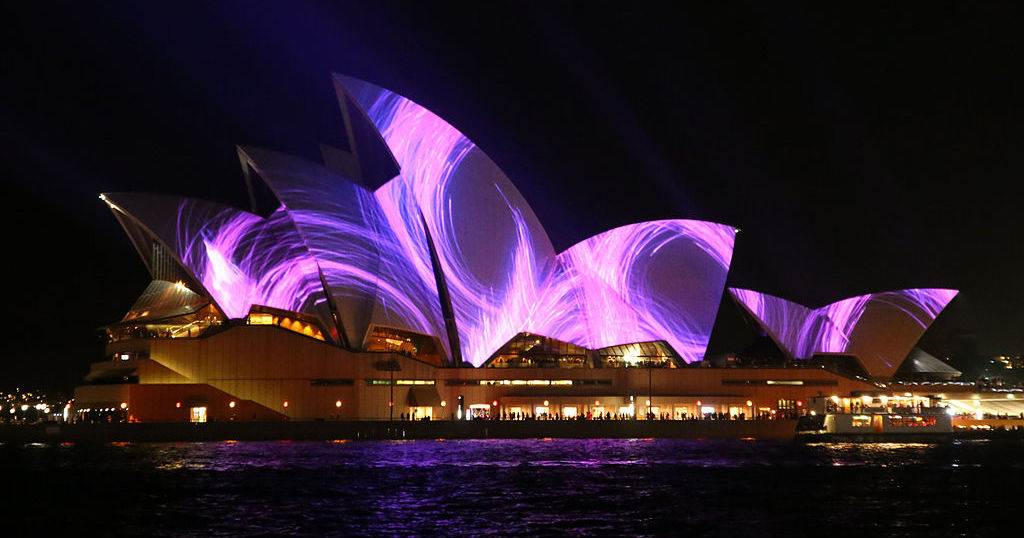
{"points": [[607, 416]]}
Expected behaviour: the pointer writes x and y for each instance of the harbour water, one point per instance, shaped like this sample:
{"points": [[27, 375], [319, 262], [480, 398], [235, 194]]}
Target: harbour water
{"points": [[632, 487]]}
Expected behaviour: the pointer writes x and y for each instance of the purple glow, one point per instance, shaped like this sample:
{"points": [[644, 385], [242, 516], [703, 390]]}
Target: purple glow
{"points": [[659, 280], [371, 271], [239, 258], [501, 271], [247, 260], [880, 328], [493, 252]]}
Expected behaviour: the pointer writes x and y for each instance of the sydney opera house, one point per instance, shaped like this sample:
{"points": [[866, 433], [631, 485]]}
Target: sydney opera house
{"points": [[406, 276]]}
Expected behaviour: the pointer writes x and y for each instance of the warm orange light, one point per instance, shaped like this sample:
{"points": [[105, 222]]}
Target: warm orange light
{"points": [[391, 404], [231, 404], [124, 405], [698, 403], [750, 403], [443, 403], [177, 404], [597, 402], [284, 403], [647, 402], [337, 403], [799, 403], [545, 402], [494, 403]]}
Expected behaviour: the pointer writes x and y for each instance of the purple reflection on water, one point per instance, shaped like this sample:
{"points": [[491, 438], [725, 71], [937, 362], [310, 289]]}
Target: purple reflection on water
{"points": [[592, 487]]}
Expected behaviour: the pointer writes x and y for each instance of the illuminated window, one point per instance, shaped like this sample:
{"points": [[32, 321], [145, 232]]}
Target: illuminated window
{"points": [[415, 345], [479, 411], [198, 414], [527, 350], [657, 354], [421, 412], [261, 319], [386, 382], [292, 321]]}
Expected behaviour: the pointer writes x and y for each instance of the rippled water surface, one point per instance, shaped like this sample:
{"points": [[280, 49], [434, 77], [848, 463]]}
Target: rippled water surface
{"points": [[514, 487]]}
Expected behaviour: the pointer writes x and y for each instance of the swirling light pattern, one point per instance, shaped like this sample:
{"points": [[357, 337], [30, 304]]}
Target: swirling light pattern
{"points": [[450, 220], [493, 252], [659, 280], [369, 273], [239, 258], [880, 328]]}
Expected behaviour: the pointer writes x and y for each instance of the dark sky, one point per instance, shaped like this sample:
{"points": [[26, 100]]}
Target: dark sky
{"points": [[857, 151]]}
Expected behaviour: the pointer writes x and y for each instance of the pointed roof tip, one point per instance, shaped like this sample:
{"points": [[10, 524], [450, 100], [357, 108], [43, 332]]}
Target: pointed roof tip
{"points": [[105, 198], [343, 81], [345, 85], [371, 160]]}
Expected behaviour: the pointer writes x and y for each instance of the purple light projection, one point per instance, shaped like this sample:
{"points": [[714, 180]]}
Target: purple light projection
{"points": [[659, 280], [240, 258], [367, 266], [792, 326], [493, 252], [880, 328]]}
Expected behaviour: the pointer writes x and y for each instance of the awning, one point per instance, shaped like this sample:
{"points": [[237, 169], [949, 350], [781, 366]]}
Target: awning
{"points": [[424, 396]]}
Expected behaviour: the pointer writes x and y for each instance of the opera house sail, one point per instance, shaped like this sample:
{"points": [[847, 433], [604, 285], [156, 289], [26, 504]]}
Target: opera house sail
{"points": [[880, 329]]}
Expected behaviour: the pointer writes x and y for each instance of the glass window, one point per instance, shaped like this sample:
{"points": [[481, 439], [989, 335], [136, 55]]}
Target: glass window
{"points": [[527, 350], [657, 354], [415, 345]]}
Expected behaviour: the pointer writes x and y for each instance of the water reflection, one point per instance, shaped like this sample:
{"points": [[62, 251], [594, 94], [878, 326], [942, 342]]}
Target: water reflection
{"points": [[516, 487]]}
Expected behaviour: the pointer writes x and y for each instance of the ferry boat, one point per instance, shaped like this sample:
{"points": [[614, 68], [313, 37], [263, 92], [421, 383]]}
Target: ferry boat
{"points": [[874, 421]]}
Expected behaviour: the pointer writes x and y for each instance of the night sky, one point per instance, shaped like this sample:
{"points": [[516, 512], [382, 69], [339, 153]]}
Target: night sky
{"points": [[857, 151]]}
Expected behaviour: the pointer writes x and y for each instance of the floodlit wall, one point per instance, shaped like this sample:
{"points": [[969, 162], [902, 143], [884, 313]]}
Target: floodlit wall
{"points": [[244, 363]]}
